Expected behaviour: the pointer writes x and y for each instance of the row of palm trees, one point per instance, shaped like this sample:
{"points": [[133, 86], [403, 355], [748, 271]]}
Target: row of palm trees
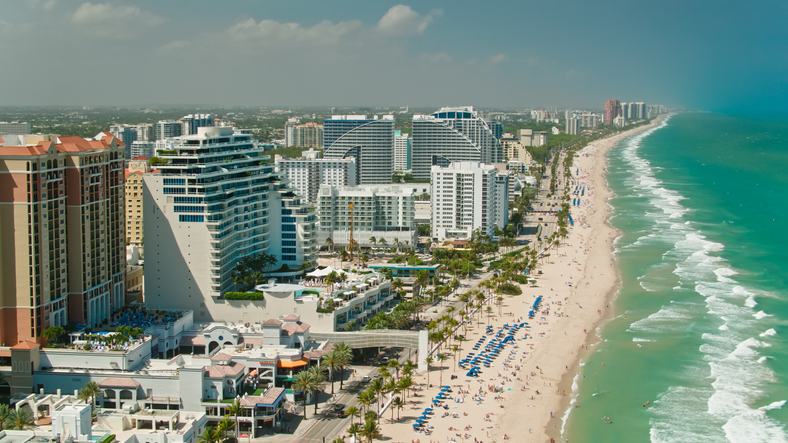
{"points": [[395, 380], [312, 381]]}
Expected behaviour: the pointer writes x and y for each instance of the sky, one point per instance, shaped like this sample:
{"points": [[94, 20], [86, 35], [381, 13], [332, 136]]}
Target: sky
{"points": [[697, 54]]}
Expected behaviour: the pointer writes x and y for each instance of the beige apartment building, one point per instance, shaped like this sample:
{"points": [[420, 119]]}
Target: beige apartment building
{"points": [[134, 207], [62, 243]]}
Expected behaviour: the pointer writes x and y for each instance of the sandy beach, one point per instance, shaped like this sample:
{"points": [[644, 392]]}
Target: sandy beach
{"points": [[526, 388]]}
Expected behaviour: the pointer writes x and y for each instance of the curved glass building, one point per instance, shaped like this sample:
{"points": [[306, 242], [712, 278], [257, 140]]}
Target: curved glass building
{"points": [[452, 135], [370, 141]]}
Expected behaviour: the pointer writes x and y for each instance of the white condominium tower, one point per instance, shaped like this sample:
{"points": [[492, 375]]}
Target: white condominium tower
{"points": [[370, 141], [402, 151], [215, 201], [465, 199], [385, 213], [452, 135], [306, 175]]}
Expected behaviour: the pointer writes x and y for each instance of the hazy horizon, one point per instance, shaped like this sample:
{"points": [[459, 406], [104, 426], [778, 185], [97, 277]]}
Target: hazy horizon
{"points": [[699, 55]]}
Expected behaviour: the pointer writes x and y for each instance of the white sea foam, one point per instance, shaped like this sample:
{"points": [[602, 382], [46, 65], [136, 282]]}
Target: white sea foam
{"points": [[676, 417], [769, 333], [664, 320], [754, 426], [774, 405], [715, 404]]}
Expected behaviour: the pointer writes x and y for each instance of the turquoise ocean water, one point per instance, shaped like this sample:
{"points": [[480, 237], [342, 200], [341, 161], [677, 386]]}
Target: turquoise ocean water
{"points": [[702, 315]]}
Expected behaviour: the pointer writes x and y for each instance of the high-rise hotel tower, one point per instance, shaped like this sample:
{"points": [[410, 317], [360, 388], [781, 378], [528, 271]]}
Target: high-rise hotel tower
{"points": [[62, 241], [370, 141], [452, 135], [216, 201]]}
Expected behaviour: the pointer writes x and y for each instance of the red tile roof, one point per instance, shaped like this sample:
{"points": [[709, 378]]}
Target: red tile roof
{"points": [[119, 382], [141, 157], [221, 371], [25, 344]]}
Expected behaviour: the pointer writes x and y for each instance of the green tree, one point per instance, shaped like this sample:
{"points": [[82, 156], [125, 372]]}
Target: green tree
{"points": [[352, 412], [428, 360], [225, 425], [235, 409], [367, 398], [377, 387], [332, 361], [93, 390], [52, 334], [212, 434], [370, 430], [302, 382], [19, 420], [345, 353], [354, 430], [318, 379], [5, 411], [399, 404]]}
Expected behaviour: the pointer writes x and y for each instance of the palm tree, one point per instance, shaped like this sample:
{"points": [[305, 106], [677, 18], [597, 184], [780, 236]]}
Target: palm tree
{"points": [[428, 360], [397, 284], [382, 241], [93, 389], [354, 430], [370, 430], [5, 411], [373, 240], [84, 395], [330, 244], [212, 434], [405, 384], [53, 333], [318, 379], [352, 412], [302, 382], [235, 409], [399, 404], [19, 420], [238, 280], [345, 353], [390, 386], [396, 243], [366, 398], [331, 361], [393, 365], [441, 358], [225, 425], [377, 387]]}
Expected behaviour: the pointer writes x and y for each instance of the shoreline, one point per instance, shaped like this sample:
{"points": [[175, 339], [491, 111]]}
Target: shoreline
{"points": [[578, 284], [556, 426]]}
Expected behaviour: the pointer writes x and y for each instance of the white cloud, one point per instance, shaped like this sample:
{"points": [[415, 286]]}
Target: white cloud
{"points": [[108, 20], [271, 32], [440, 57], [44, 5], [402, 20], [498, 58], [173, 46]]}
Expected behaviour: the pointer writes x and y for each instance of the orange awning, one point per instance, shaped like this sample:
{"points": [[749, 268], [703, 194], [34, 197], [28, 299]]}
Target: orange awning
{"points": [[288, 364]]}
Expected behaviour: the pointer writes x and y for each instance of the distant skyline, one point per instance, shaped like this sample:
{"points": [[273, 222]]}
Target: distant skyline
{"points": [[709, 55]]}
